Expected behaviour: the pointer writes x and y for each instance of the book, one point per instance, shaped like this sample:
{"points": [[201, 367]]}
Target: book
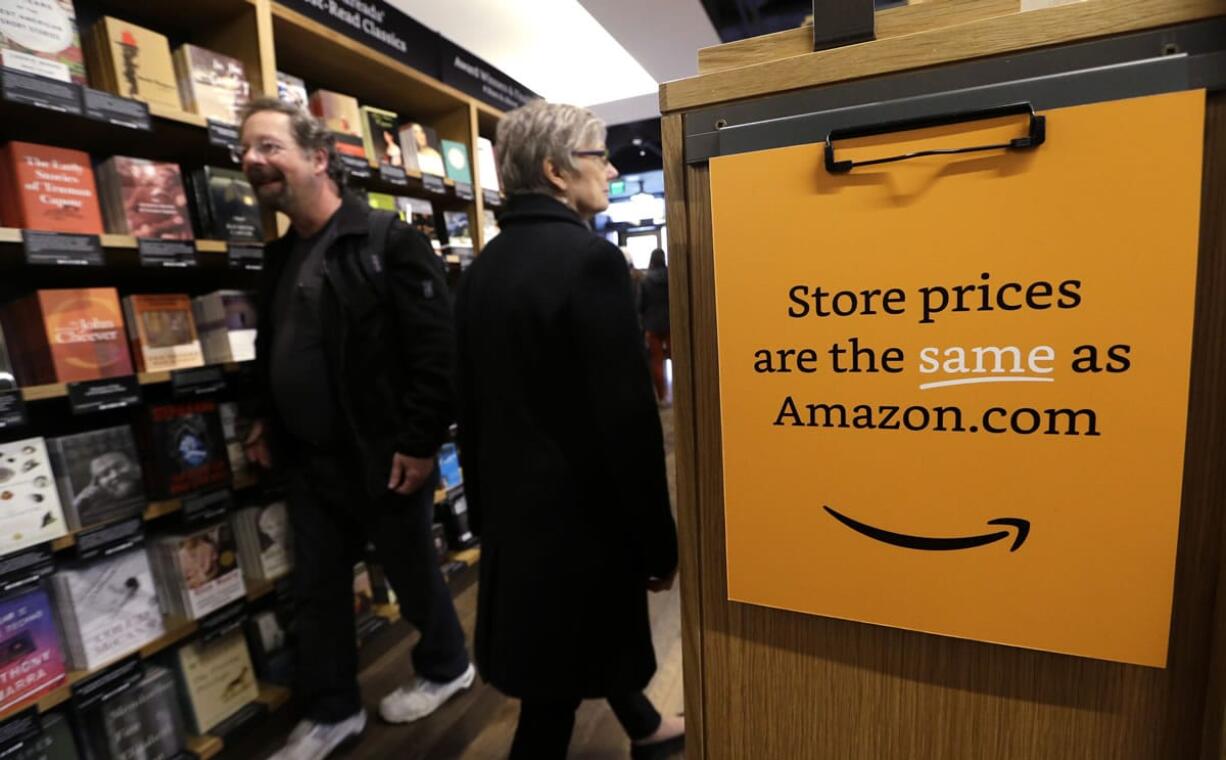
{"points": [[423, 153], [98, 474], [49, 189], [456, 155], [439, 534], [212, 85], [292, 90], [55, 742], [340, 113], [41, 37], [264, 542], [143, 722], [162, 331], [383, 201], [453, 514], [269, 642], [458, 232], [216, 680], [65, 336], [224, 206], [8, 380], [379, 137], [144, 198], [226, 321], [489, 226], [108, 607], [487, 165], [235, 428], [184, 447], [131, 61], [30, 511], [31, 660], [420, 214], [363, 600], [198, 572]]}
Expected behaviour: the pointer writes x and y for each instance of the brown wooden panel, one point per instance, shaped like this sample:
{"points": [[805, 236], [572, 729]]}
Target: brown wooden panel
{"points": [[783, 685]]}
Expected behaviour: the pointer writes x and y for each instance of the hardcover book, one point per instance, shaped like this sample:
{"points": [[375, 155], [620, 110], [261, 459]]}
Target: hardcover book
{"points": [[264, 540], [270, 649], [198, 572], [292, 90], [99, 475], [216, 680], [185, 451], [212, 85], [131, 61], [65, 336], [143, 722], [340, 113], [379, 129], [31, 661], [422, 150], [144, 198], [46, 188], [420, 214], [487, 165], [40, 37], [54, 743], [235, 428], [458, 232], [225, 206], [226, 320], [108, 608], [456, 155], [163, 332], [30, 511]]}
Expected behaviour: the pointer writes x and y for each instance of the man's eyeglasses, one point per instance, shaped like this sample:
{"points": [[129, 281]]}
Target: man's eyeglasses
{"points": [[264, 148], [602, 154]]}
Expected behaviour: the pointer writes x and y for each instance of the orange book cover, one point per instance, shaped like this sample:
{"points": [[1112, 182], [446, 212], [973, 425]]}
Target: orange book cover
{"points": [[49, 189], [85, 333]]}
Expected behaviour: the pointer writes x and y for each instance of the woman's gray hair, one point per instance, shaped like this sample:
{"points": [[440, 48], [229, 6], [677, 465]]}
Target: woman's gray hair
{"points": [[309, 132], [539, 130]]}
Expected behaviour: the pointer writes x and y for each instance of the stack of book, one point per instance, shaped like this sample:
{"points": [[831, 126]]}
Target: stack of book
{"points": [[131, 61], [99, 475], [264, 541], [212, 85], [143, 721], [65, 336], [185, 449], [225, 206], [216, 680], [144, 198], [30, 511], [163, 332], [226, 321], [197, 572], [107, 608], [31, 661], [49, 189], [42, 39]]}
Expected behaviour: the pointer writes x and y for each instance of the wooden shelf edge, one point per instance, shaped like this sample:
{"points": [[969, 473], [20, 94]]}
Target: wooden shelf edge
{"points": [[115, 241], [177, 114], [205, 747], [59, 390]]}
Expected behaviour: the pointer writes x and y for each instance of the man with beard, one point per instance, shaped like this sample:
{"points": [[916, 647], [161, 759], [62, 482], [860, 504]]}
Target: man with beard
{"points": [[113, 477], [355, 350]]}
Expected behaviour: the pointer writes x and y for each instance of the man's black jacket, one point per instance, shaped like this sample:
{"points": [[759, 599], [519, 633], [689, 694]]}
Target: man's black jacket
{"points": [[389, 344]]}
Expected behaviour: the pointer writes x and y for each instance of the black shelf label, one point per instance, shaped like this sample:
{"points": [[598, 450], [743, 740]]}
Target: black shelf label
{"points": [[218, 623], [222, 134], [25, 568], [12, 410], [19, 731], [116, 110], [464, 191], [491, 197], [178, 254], [206, 507], [41, 92], [62, 248], [109, 683], [198, 381], [433, 184], [105, 394], [111, 538], [393, 175], [356, 166], [248, 257]]}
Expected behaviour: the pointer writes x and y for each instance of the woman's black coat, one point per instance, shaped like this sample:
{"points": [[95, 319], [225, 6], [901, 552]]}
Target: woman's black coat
{"points": [[563, 459]]}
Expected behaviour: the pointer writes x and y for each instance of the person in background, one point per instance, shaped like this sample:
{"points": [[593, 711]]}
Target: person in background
{"points": [[355, 352], [562, 447], [653, 313]]}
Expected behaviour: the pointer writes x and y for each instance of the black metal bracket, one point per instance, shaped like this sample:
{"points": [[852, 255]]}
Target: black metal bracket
{"points": [[842, 22], [1036, 135]]}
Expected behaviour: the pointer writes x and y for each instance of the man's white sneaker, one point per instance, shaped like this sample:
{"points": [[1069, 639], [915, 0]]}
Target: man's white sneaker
{"points": [[422, 697], [315, 741]]}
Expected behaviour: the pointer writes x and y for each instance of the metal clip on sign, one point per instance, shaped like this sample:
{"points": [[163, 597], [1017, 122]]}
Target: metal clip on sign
{"points": [[1036, 135]]}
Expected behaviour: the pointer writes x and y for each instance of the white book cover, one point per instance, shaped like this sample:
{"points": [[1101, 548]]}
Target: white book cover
{"points": [[30, 510], [114, 608]]}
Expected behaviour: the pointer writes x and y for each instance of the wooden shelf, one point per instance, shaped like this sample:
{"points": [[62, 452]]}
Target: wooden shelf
{"points": [[120, 242], [205, 747], [60, 390]]}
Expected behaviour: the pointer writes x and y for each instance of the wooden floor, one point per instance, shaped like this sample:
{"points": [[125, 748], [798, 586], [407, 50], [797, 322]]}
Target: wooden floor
{"points": [[478, 724]]}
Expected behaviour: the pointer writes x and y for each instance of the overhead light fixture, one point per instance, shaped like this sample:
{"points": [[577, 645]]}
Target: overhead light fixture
{"points": [[636, 141]]}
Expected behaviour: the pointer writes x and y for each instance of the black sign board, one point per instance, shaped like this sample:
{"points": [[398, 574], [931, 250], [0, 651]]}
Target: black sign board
{"points": [[111, 538], [33, 90], [111, 682], [12, 410], [105, 394], [464, 191], [197, 381], [377, 24], [220, 622], [178, 254], [19, 731], [433, 184], [26, 567], [207, 506], [354, 158], [248, 257], [62, 248], [393, 175], [491, 197], [112, 109], [222, 134], [468, 73]]}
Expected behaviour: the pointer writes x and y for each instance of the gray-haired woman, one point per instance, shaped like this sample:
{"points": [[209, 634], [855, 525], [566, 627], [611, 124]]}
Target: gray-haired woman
{"points": [[562, 447]]}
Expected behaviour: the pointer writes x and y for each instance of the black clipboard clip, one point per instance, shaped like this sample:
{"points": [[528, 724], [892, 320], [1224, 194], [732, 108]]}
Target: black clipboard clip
{"points": [[1035, 136]]}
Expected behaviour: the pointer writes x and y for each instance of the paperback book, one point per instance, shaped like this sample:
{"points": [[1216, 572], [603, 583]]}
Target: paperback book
{"points": [[379, 137], [48, 189], [459, 235], [224, 206], [212, 85], [423, 153], [216, 680], [31, 661], [99, 475], [198, 572], [131, 61], [456, 154], [264, 540], [65, 336], [163, 332], [140, 723], [30, 511], [292, 90], [144, 198], [185, 449], [41, 37]]}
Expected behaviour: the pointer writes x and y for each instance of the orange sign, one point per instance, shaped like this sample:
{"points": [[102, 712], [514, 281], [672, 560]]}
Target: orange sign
{"points": [[955, 388]]}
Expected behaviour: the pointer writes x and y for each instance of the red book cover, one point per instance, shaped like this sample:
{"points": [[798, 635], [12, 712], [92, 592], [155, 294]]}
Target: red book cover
{"points": [[49, 189], [66, 336], [147, 198], [186, 449]]}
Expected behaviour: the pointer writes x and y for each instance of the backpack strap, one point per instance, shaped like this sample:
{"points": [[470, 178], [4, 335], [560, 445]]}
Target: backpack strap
{"points": [[373, 255]]}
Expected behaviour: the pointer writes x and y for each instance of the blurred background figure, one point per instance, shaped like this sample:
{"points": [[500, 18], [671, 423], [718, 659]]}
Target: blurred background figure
{"points": [[653, 314]]}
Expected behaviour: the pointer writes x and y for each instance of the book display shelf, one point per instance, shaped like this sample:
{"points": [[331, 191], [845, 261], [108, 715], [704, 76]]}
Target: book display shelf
{"points": [[141, 554]]}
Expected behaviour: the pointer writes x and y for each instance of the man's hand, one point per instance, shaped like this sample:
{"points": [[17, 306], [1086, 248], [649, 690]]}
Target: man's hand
{"points": [[256, 445], [656, 585], [409, 473]]}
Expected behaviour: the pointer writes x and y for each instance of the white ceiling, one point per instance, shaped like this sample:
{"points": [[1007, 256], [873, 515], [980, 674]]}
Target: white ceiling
{"points": [[609, 55]]}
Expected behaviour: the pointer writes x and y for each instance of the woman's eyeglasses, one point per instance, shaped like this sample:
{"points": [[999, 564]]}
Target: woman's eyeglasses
{"points": [[602, 154]]}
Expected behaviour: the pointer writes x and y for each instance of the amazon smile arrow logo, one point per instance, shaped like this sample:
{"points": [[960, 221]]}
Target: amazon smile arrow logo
{"points": [[931, 544]]}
